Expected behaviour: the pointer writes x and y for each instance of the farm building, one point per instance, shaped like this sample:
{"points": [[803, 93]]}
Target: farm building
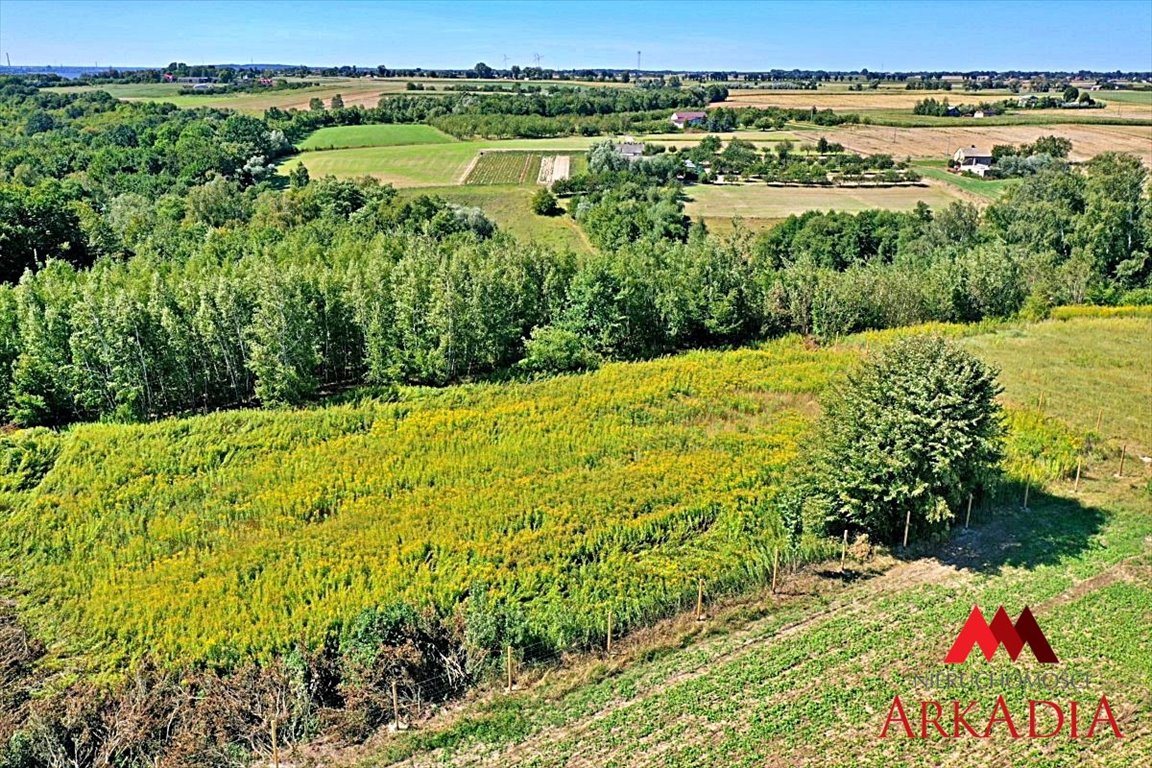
{"points": [[631, 150], [973, 160], [685, 119]]}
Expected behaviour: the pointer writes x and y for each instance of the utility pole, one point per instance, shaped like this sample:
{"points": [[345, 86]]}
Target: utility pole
{"points": [[637, 62]]}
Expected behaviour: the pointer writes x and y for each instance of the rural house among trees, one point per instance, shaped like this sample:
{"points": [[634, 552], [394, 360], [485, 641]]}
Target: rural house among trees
{"points": [[972, 160], [685, 119]]}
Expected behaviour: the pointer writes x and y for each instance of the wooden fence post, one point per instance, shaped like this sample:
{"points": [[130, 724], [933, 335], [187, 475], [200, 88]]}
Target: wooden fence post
{"points": [[509, 664], [775, 566], [1027, 486], [396, 706], [843, 550], [1079, 463], [968, 515], [700, 600], [1123, 455], [1099, 418], [907, 524], [275, 746], [608, 648]]}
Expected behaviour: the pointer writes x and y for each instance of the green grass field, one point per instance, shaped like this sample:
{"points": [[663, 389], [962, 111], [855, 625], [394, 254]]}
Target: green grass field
{"points": [[349, 136], [805, 677], [423, 165], [1128, 97], [509, 206], [990, 189]]}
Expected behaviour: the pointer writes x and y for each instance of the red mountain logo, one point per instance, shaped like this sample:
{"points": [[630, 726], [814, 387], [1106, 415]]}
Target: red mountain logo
{"points": [[990, 636]]}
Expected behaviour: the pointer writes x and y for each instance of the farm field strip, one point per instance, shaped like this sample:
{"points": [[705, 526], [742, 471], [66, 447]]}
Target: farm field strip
{"points": [[427, 165], [505, 168], [387, 135], [347, 507], [760, 201], [354, 91], [940, 143], [1118, 104]]}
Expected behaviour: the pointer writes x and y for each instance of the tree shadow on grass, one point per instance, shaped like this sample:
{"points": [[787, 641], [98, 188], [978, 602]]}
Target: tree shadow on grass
{"points": [[1051, 529]]}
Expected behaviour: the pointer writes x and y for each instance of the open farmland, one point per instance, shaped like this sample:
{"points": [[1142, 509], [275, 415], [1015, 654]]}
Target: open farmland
{"points": [[761, 202], [505, 168], [353, 90], [805, 677], [850, 101], [1126, 105], [391, 135], [940, 143], [423, 165], [361, 91], [983, 189], [512, 167]]}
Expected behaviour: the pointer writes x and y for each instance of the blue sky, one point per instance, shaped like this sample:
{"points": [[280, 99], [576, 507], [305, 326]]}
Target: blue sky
{"points": [[696, 34]]}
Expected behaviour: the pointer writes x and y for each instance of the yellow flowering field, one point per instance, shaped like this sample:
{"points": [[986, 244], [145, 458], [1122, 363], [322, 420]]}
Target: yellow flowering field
{"points": [[234, 535]]}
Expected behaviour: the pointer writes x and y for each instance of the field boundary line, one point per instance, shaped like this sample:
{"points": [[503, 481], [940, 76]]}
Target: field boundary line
{"points": [[463, 177]]}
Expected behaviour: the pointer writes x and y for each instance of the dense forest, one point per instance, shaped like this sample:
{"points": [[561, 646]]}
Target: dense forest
{"points": [[154, 264]]}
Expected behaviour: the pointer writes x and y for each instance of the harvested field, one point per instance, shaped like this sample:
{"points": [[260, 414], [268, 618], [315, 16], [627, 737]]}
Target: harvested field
{"points": [[760, 201], [940, 143], [1119, 104], [852, 101]]}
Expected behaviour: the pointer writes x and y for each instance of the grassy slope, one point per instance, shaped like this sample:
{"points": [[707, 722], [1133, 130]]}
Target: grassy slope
{"points": [[989, 190], [810, 681], [346, 136], [221, 522], [509, 206]]}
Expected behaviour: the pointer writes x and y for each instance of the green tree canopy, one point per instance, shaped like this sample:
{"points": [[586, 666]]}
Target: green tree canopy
{"points": [[913, 432]]}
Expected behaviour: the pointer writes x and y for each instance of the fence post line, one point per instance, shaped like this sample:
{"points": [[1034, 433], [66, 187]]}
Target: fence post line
{"points": [[395, 705], [775, 566], [968, 515], [275, 746]]}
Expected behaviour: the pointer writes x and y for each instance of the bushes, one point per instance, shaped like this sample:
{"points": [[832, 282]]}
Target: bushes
{"points": [[912, 432], [557, 350], [544, 203]]}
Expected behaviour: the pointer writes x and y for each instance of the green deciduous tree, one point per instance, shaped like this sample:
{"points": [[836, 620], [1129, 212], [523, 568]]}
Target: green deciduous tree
{"points": [[913, 431]]}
